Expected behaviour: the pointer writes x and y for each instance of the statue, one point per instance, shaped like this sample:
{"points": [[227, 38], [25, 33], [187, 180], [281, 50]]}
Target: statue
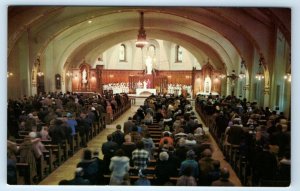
{"points": [[145, 84], [148, 83], [149, 65], [207, 85], [84, 76]]}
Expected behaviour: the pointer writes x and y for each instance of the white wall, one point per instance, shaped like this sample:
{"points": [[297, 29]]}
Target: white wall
{"points": [[164, 58]]}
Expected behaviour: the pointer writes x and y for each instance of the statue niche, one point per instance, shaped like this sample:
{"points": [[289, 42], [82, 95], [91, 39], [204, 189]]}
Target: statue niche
{"points": [[84, 73]]}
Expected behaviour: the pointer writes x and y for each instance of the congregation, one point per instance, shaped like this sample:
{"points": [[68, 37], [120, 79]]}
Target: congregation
{"points": [[161, 144]]}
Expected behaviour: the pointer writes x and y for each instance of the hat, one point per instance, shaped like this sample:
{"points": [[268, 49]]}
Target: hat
{"points": [[163, 156]]}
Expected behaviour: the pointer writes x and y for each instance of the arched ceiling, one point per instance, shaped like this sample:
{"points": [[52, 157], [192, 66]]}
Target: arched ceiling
{"points": [[223, 34]]}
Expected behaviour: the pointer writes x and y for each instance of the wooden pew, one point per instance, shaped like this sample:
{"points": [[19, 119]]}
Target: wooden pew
{"points": [[26, 173]]}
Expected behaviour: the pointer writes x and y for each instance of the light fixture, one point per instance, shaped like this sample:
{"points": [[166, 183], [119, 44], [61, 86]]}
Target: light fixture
{"points": [[243, 67], [222, 76], [69, 74], [288, 77], [260, 74], [141, 37], [9, 74], [233, 76]]}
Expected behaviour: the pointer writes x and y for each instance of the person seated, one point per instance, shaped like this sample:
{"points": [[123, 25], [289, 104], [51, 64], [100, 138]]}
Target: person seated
{"points": [[148, 119], [166, 136], [78, 178], [224, 179], [190, 162], [187, 178], [164, 169], [190, 141], [90, 167]]}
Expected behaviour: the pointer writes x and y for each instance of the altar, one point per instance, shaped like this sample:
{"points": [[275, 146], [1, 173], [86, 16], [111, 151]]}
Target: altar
{"points": [[140, 91]]}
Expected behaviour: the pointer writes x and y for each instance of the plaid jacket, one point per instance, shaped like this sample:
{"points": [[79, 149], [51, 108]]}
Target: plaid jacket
{"points": [[140, 158]]}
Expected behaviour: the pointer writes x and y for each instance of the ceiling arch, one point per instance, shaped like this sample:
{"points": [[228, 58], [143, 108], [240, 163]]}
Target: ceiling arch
{"points": [[252, 28], [84, 33]]}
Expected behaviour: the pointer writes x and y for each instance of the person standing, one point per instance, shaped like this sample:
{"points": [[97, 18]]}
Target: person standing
{"points": [[140, 156], [118, 136], [119, 166]]}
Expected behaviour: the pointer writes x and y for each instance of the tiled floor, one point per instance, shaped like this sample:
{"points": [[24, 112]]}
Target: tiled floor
{"points": [[65, 171]]}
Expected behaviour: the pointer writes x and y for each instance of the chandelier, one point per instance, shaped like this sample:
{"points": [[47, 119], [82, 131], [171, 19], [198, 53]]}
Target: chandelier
{"points": [[242, 72], [141, 37], [260, 73], [232, 76]]}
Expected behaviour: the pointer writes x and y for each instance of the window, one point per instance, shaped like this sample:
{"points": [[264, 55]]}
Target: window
{"points": [[151, 51], [122, 53], [178, 53]]}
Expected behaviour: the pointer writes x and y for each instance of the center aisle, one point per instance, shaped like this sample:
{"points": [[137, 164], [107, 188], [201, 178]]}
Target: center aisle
{"points": [[67, 169]]}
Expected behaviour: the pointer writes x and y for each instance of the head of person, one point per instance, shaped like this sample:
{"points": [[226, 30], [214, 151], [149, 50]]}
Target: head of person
{"points": [[224, 173], [127, 138], [109, 137], [118, 127], [87, 154], [163, 156], [207, 153], [166, 134], [190, 154], [140, 145]]}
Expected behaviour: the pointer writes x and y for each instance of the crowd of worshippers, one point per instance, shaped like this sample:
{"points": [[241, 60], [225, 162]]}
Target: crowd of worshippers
{"points": [[54, 117], [184, 151], [262, 136]]}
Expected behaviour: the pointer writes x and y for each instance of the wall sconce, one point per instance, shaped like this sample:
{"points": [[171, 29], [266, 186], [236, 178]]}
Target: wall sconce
{"points": [[9, 74], [288, 77], [222, 76], [93, 77], [111, 76], [69, 74]]}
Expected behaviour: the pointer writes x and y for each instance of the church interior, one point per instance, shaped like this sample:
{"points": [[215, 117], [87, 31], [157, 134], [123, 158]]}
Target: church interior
{"points": [[160, 96]]}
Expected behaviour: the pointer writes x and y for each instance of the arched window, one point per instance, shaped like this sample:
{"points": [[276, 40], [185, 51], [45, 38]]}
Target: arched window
{"points": [[122, 53], [151, 51], [178, 53]]}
